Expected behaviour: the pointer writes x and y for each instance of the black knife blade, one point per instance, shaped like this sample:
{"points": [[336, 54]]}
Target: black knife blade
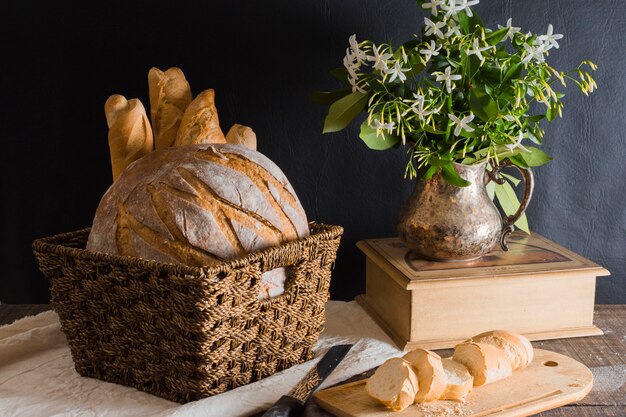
{"points": [[292, 404]]}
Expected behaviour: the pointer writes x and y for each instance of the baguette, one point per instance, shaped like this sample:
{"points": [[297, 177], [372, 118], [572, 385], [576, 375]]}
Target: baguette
{"points": [[242, 135], [460, 382], [485, 362], [516, 347], [394, 384], [170, 95], [430, 374], [130, 135], [200, 124]]}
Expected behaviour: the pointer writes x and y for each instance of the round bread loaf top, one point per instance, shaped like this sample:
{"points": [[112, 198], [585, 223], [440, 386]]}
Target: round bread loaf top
{"points": [[198, 205]]}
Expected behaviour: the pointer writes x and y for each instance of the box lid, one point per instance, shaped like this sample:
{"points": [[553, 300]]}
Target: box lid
{"points": [[532, 255]]}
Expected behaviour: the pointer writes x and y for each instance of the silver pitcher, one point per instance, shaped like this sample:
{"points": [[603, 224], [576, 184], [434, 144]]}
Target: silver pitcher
{"points": [[443, 222]]}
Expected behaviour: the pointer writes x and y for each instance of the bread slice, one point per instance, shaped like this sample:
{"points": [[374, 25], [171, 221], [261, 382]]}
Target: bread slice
{"points": [[394, 384], [430, 374], [460, 382], [517, 348], [485, 362]]}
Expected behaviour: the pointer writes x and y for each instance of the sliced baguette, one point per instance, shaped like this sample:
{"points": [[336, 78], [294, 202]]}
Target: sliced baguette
{"points": [[517, 347], [430, 374], [460, 382], [394, 384], [486, 363]]}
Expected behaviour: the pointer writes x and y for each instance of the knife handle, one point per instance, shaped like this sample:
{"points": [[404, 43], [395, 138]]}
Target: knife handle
{"points": [[286, 406]]}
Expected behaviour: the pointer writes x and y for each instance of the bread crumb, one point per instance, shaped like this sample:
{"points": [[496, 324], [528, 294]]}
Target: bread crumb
{"points": [[444, 409]]}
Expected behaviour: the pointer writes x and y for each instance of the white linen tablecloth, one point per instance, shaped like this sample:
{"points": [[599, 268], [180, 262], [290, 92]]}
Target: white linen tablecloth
{"points": [[37, 376]]}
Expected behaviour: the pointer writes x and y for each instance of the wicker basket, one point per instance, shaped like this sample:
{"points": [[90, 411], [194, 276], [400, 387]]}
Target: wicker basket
{"points": [[184, 333]]}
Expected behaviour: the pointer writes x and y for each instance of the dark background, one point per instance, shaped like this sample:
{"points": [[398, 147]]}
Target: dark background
{"points": [[62, 59]]}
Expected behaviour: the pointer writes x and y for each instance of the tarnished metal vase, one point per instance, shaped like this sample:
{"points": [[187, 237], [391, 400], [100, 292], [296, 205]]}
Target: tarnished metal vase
{"points": [[443, 222]]}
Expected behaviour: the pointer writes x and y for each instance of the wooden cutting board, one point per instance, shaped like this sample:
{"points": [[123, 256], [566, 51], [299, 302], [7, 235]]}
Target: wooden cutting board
{"points": [[551, 380]]}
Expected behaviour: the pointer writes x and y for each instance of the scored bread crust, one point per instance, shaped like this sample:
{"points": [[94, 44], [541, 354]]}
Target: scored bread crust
{"points": [[456, 372], [485, 362], [399, 395], [430, 373], [517, 347]]}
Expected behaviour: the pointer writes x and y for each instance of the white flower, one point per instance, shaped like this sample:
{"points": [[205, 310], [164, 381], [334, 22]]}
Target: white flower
{"points": [[432, 5], [449, 8], [418, 109], [448, 78], [380, 60], [397, 72], [461, 124], [550, 40], [517, 144], [432, 27], [430, 50], [355, 86], [357, 53], [476, 50], [418, 96], [350, 65], [465, 5], [534, 52], [453, 29], [512, 30], [381, 126]]}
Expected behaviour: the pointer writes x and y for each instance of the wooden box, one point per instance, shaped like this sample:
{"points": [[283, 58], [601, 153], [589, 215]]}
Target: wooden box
{"points": [[537, 288]]}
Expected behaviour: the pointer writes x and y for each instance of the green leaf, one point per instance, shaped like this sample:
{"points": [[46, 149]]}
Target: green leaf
{"points": [[329, 97], [468, 24], [536, 157], [341, 74], [429, 129], [514, 71], [552, 112], [491, 74], [416, 68], [496, 37], [378, 143], [473, 134], [511, 179], [428, 174], [343, 111], [510, 203], [519, 161], [452, 177], [536, 118], [412, 44], [475, 22], [463, 23], [436, 162], [483, 105]]}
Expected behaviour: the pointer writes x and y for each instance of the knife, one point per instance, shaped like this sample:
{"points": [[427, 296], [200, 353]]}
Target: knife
{"points": [[292, 404]]}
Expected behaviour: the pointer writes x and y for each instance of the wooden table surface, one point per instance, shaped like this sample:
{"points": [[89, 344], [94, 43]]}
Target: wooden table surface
{"points": [[604, 355]]}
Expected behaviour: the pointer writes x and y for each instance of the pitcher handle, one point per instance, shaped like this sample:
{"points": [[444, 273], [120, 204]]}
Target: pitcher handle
{"points": [[529, 185]]}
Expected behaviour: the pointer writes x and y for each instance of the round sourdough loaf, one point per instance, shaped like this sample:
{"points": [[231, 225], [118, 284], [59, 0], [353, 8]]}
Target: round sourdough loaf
{"points": [[198, 205]]}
